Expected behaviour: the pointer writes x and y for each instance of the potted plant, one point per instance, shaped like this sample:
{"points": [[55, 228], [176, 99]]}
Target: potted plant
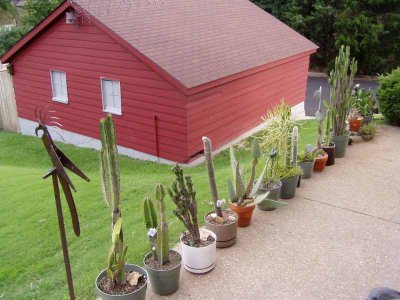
{"points": [[119, 280], [271, 183], [368, 131], [306, 161], [290, 172], [222, 222], [162, 264], [198, 245], [244, 197], [326, 145], [341, 82], [321, 159], [364, 103], [355, 120]]}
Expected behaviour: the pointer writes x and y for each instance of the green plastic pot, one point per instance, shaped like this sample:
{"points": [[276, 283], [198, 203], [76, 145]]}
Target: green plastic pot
{"points": [[139, 294], [307, 167], [164, 282], [341, 142], [289, 186], [273, 195]]}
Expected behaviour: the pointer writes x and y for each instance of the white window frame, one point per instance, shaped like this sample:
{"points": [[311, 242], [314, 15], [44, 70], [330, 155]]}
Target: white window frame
{"points": [[54, 97], [112, 110]]}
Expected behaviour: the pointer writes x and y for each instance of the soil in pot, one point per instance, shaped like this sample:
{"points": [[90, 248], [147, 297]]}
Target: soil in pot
{"points": [[164, 278], [331, 154], [341, 142], [136, 281], [224, 228], [244, 213], [307, 167], [274, 189], [355, 124], [320, 163], [289, 186], [188, 240]]}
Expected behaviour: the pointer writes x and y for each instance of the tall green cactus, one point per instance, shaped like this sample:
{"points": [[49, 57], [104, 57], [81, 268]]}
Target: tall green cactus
{"points": [[341, 81], [328, 133], [295, 145], [110, 181], [149, 212], [211, 175], [320, 116], [162, 230]]}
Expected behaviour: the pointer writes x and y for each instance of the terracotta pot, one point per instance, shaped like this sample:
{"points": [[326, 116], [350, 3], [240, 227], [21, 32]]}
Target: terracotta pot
{"points": [[226, 234], [320, 163], [331, 150], [244, 213], [355, 124]]}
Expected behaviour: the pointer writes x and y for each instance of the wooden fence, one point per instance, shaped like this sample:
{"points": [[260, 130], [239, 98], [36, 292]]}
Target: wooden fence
{"points": [[8, 107]]}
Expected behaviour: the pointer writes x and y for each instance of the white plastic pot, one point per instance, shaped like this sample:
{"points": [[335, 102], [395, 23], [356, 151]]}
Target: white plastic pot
{"points": [[199, 260]]}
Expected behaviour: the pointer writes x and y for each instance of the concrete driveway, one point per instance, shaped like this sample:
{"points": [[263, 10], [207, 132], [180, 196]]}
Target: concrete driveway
{"points": [[338, 239], [313, 84]]}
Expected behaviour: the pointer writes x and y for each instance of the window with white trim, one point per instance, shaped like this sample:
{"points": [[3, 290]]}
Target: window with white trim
{"points": [[59, 86], [111, 91]]}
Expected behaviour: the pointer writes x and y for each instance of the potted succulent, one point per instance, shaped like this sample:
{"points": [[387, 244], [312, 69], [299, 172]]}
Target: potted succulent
{"points": [[327, 144], [355, 120], [364, 103], [162, 264], [244, 197], [306, 161], [368, 131], [321, 158], [271, 184], [198, 245], [341, 81], [222, 222], [290, 172], [119, 280]]}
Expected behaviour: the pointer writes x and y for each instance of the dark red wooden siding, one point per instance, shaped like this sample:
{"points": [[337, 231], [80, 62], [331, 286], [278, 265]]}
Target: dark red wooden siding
{"points": [[226, 111], [86, 54]]}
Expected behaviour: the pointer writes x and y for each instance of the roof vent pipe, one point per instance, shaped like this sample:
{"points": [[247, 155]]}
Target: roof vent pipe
{"points": [[70, 17]]}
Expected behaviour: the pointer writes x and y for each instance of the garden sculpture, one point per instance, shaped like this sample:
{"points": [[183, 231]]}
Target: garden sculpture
{"points": [[60, 161]]}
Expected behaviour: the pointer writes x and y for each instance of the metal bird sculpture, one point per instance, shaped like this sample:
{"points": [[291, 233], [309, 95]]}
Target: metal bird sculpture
{"points": [[60, 161]]}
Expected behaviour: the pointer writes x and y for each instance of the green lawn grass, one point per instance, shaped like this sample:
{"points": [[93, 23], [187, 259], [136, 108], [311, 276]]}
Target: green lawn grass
{"points": [[31, 258]]}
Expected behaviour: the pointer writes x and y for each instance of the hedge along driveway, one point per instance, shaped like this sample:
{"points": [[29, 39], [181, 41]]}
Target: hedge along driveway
{"points": [[31, 258]]}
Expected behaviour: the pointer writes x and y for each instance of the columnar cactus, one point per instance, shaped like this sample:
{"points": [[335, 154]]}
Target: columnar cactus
{"points": [[341, 81], [162, 229], [328, 134], [320, 116], [184, 197], [211, 175], [295, 145], [150, 219], [110, 181]]}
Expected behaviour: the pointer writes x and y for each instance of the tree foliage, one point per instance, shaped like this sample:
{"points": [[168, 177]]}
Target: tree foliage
{"points": [[370, 27]]}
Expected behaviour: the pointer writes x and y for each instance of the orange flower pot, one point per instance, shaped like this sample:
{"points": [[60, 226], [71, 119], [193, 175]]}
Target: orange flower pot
{"points": [[355, 124], [320, 163], [244, 213]]}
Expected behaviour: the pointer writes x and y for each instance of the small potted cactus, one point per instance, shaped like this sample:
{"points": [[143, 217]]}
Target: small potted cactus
{"points": [[307, 161], [355, 120], [368, 131], [162, 264], [222, 222], [290, 172], [244, 197], [119, 280], [199, 246], [271, 184]]}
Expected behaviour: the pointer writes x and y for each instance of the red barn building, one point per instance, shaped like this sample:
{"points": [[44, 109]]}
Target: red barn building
{"points": [[171, 71]]}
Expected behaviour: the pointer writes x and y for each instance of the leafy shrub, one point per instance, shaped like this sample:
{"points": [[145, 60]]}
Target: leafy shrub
{"points": [[9, 37], [389, 96]]}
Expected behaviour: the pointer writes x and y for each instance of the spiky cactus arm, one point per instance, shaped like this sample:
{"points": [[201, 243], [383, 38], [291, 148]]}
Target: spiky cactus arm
{"points": [[211, 174], [162, 230], [327, 140], [149, 212], [184, 197], [295, 145]]}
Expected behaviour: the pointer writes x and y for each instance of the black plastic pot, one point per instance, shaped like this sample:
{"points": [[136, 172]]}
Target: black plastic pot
{"points": [[331, 150], [289, 186], [273, 195], [164, 282], [139, 294]]}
